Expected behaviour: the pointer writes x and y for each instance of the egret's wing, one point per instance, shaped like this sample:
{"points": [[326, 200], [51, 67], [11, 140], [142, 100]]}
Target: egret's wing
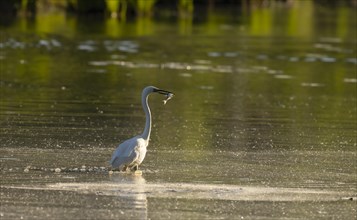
{"points": [[120, 161], [124, 154]]}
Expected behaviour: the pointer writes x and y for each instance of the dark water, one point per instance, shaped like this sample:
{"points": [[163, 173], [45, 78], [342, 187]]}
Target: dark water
{"points": [[263, 122]]}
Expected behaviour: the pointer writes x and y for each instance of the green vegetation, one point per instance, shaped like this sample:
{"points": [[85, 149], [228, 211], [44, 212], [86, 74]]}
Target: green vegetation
{"points": [[125, 8], [144, 17]]}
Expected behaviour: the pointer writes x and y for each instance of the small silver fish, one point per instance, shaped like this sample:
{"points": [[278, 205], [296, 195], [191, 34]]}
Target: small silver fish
{"points": [[168, 97]]}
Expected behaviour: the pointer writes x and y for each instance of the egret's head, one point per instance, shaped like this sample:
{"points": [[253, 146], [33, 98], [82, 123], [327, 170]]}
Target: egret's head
{"points": [[168, 94], [149, 89]]}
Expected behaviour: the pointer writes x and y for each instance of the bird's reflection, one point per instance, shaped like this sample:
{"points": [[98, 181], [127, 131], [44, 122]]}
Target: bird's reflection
{"points": [[131, 190]]}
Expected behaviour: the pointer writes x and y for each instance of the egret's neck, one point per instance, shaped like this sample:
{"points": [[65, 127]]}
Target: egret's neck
{"points": [[147, 130]]}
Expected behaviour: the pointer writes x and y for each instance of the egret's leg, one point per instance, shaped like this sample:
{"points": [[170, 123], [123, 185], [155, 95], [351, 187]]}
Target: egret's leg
{"points": [[125, 168], [136, 167]]}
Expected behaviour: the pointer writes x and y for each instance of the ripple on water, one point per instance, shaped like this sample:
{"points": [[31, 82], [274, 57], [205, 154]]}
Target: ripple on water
{"points": [[98, 63], [281, 76], [273, 72], [86, 47], [203, 62], [310, 59], [330, 40], [174, 65], [48, 44], [328, 59], [331, 48], [350, 80], [294, 59], [309, 84], [14, 44], [124, 185], [97, 71], [262, 57], [41, 43], [206, 87], [123, 46], [230, 54], [351, 60], [214, 54], [223, 69], [186, 75]]}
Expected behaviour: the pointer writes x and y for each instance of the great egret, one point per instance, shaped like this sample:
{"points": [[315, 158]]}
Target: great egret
{"points": [[131, 152]]}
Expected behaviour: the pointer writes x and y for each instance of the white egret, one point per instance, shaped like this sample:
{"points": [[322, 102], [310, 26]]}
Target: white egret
{"points": [[131, 153]]}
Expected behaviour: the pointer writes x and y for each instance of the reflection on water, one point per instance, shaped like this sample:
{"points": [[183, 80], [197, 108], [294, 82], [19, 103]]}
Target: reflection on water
{"points": [[269, 105], [132, 190]]}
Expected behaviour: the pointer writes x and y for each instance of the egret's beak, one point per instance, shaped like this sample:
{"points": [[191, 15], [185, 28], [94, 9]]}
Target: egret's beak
{"points": [[168, 94], [163, 92]]}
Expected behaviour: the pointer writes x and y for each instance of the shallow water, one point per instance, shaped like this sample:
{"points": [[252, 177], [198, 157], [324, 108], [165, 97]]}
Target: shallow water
{"points": [[262, 124]]}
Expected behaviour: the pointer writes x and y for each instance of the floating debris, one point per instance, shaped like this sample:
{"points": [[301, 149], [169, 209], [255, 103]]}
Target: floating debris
{"points": [[81, 169]]}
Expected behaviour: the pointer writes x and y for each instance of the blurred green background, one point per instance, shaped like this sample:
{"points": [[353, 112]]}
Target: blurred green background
{"points": [[258, 17]]}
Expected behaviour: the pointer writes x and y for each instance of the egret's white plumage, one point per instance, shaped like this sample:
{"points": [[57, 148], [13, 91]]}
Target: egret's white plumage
{"points": [[131, 153]]}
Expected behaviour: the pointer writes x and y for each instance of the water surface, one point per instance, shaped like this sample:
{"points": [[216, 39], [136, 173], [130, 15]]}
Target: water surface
{"points": [[262, 125]]}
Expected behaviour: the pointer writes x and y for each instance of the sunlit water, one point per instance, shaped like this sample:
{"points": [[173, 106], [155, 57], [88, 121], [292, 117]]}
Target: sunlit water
{"points": [[260, 126]]}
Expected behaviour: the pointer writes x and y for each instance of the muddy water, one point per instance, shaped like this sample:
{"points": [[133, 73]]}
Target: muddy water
{"points": [[261, 126]]}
